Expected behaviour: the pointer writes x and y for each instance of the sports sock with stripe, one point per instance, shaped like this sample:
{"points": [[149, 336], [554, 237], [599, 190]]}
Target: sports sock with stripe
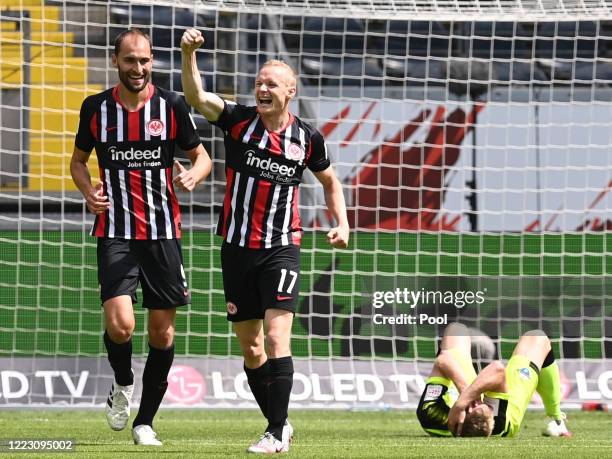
{"points": [[120, 359]]}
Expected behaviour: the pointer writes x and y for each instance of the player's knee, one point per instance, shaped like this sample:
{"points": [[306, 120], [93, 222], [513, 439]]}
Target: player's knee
{"points": [[120, 331], [161, 338], [536, 339], [253, 353], [456, 329], [277, 342], [538, 332]]}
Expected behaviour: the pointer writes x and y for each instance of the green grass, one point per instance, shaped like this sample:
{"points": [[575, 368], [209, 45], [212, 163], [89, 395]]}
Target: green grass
{"points": [[216, 433]]}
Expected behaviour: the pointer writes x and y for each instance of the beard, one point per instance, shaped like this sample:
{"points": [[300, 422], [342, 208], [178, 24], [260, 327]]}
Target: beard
{"points": [[129, 83]]}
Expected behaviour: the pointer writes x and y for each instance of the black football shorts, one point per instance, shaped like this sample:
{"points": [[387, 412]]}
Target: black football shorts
{"points": [[255, 280], [156, 264]]}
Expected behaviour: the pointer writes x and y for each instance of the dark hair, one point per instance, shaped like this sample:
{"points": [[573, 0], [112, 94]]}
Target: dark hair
{"points": [[478, 424], [125, 33]]}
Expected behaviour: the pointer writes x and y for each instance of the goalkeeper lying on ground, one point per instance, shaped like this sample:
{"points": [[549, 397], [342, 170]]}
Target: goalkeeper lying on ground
{"points": [[495, 401]]}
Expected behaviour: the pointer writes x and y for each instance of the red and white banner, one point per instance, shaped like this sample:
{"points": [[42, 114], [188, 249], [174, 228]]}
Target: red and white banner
{"points": [[407, 165]]}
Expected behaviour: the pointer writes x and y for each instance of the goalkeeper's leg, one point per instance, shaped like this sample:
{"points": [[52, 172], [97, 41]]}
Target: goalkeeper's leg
{"points": [[536, 346], [459, 368], [457, 336], [549, 388]]}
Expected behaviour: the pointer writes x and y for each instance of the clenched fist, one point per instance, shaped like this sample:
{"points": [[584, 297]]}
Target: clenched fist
{"points": [[338, 237], [192, 39]]}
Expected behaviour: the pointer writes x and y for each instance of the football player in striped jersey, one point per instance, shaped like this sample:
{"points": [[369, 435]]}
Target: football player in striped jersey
{"points": [[267, 149], [134, 128]]}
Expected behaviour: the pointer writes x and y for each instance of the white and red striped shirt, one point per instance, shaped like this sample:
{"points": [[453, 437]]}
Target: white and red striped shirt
{"points": [[135, 151], [264, 170]]}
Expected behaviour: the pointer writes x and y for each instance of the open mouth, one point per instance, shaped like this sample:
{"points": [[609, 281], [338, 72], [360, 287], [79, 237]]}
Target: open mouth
{"points": [[265, 101]]}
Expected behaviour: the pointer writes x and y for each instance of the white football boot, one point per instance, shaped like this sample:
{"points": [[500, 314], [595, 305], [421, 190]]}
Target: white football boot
{"points": [[268, 444], [118, 405], [144, 435], [287, 435], [557, 428]]}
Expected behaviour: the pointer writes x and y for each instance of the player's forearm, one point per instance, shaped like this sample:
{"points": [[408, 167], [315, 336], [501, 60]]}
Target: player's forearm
{"points": [[334, 200], [492, 378], [201, 165], [81, 177], [190, 78], [208, 104]]}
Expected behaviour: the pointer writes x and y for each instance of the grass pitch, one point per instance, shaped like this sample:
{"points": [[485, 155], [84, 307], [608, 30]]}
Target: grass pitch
{"points": [[321, 434]]}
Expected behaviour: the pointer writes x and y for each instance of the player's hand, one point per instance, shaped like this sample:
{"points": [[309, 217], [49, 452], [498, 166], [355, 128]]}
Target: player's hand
{"points": [[456, 418], [338, 237], [184, 178], [192, 39], [97, 201]]}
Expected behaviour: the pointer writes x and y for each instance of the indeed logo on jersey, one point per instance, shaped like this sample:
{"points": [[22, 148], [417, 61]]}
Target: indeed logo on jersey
{"points": [[269, 168], [137, 158]]}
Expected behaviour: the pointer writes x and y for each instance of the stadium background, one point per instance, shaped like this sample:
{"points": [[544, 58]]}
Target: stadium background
{"points": [[474, 151]]}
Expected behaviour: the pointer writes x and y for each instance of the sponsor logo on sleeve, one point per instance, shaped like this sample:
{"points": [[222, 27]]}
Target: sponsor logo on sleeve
{"points": [[433, 392]]}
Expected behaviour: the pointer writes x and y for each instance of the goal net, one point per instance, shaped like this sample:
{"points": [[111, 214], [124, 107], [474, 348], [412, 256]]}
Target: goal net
{"points": [[472, 139]]}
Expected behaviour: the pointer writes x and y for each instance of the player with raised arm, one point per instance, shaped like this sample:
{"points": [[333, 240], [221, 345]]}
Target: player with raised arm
{"points": [[134, 128], [267, 149], [495, 403], [452, 372]]}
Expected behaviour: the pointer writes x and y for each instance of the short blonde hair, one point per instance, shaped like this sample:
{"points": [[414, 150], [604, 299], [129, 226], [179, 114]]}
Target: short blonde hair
{"points": [[478, 424], [279, 63]]}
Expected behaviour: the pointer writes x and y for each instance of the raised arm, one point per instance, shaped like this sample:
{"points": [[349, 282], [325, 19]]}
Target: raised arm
{"points": [[208, 104], [338, 236]]}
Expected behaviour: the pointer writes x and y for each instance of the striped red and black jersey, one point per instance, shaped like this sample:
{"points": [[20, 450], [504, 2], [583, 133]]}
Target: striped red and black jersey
{"points": [[135, 151], [264, 170]]}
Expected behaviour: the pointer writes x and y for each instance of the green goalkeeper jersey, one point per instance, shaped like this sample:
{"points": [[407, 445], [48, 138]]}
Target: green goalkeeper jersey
{"points": [[439, 396], [509, 407]]}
